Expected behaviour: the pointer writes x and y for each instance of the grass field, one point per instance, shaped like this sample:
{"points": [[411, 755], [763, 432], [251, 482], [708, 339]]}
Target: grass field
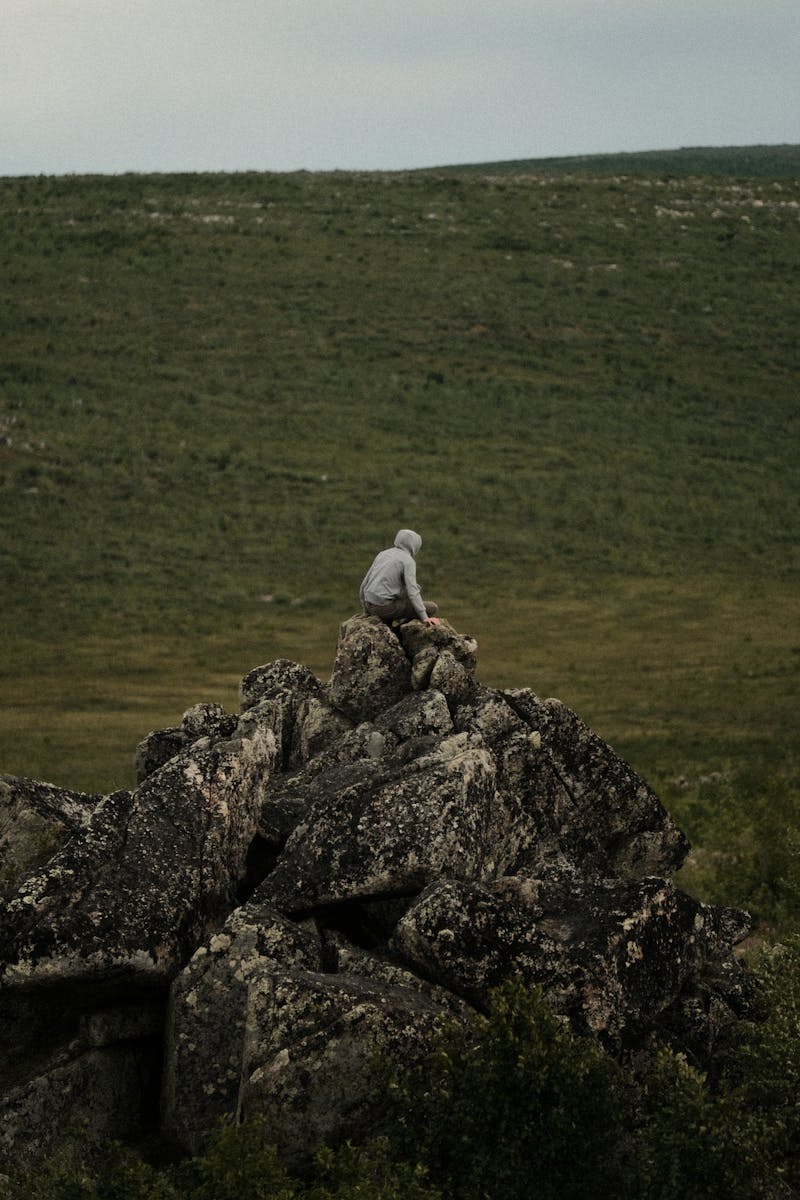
{"points": [[220, 395]]}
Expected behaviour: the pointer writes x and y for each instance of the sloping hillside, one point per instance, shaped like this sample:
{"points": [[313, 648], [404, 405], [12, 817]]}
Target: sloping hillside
{"points": [[221, 394]]}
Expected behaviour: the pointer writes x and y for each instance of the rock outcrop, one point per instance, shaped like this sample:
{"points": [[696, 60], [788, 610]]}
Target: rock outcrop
{"points": [[339, 865], [36, 820]]}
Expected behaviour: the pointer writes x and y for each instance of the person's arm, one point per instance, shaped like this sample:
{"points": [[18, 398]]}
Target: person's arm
{"points": [[412, 589]]}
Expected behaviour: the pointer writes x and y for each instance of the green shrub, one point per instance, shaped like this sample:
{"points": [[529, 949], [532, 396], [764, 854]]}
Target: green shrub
{"points": [[518, 1108], [367, 1173], [237, 1167], [120, 1175], [694, 1143], [765, 1071]]}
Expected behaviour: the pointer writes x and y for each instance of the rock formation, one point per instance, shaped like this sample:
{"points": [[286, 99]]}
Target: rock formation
{"points": [[339, 866]]}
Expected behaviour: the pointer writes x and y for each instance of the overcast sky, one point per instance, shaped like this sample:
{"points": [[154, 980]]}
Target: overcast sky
{"points": [[222, 85]]}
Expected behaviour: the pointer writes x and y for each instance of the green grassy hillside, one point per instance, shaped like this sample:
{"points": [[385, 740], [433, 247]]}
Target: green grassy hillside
{"points": [[220, 395]]}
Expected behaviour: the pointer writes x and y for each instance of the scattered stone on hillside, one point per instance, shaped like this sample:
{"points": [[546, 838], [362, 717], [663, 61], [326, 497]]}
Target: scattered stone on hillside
{"points": [[340, 865]]}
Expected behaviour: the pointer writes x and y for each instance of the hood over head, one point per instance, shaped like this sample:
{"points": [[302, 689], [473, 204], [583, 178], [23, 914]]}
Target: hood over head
{"points": [[406, 539]]}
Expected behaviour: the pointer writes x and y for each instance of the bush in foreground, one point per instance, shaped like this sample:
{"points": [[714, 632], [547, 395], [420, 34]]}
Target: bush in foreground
{"points": [[524, 1110], [237, 1167]]}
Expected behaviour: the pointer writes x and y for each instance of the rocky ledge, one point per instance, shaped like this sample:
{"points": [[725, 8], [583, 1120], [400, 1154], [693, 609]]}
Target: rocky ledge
{"points": [[341, 865]]}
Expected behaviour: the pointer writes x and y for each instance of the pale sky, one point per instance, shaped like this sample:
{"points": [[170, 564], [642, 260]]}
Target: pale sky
{"points": [[106, 86]]}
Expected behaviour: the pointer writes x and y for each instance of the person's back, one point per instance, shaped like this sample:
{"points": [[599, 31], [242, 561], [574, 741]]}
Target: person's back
{"points": [[389, 589]]}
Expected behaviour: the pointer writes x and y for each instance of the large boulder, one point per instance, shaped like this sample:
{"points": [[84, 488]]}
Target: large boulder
{"points": [[417, 715], [370, 671], [205, 720], [36, 820], [392, 833], [93, 1094], [441, 658], [206, 1017], [275, 1020], [132, 895], [289, 698], [580, 797], [309, 1045], [611, 955]]}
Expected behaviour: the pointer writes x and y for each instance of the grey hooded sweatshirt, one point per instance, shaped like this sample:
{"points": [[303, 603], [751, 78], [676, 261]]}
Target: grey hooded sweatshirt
{"points": [[393, 574]]}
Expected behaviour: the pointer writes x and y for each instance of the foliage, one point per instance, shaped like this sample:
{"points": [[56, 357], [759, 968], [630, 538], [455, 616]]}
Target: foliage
{"points": [[746, 826], [694, 1143], [237, 1167], [523, 1109], [121, 1175], [766, 1068], [513, 1111], [369, 1173]]}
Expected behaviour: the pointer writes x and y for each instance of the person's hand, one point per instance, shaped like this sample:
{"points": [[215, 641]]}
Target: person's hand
{"points": [[432, 621]]}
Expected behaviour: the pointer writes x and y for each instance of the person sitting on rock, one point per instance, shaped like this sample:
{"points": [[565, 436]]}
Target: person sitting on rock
{"points": [[390, 590]]}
